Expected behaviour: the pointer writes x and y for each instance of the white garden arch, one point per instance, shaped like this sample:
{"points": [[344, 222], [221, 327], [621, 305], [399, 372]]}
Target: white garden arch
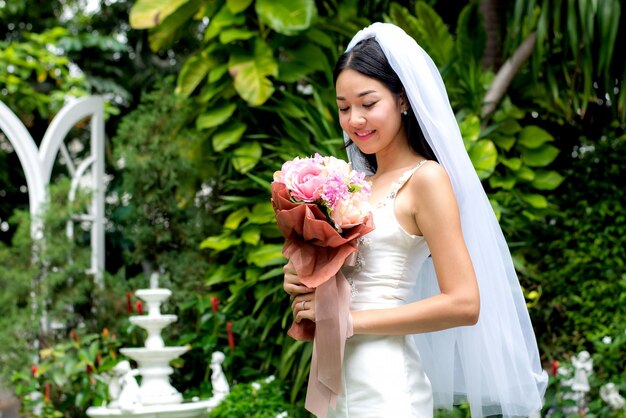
{"points": [[37, 164]]}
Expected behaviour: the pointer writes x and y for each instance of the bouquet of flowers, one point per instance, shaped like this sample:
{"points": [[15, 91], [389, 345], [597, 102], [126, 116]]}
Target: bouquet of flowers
{"points": [[321, 208]]}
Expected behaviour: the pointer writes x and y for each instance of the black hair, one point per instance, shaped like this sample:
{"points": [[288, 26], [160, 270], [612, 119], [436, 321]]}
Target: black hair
{"points": [[369, 59]]}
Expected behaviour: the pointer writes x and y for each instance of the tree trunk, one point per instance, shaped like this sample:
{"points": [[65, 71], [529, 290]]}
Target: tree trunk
{"points": [[492, 13]]}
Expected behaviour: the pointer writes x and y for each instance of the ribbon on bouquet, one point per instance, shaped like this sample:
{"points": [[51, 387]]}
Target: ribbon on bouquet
{"points": [[317, 252], [333, 296]]}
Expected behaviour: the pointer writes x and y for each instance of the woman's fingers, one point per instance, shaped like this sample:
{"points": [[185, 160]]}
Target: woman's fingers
{"points": [[291, 283], [303, 307]]}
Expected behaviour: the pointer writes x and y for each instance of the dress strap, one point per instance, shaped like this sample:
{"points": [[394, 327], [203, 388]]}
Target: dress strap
{"points": [[397, 185]]}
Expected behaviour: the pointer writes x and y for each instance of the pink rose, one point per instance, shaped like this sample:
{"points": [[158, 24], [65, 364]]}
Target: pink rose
{"points": [[304, 178], [350, 212]]}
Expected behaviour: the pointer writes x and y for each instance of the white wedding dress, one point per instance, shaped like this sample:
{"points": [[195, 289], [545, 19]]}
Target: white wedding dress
{"points": [[382, 375]]}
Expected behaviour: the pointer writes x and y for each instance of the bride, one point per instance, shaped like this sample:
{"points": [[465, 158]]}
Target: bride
{"points": [[437, 311]]}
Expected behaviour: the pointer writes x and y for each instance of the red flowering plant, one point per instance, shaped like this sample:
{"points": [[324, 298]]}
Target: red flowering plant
{"points": [[322, 208]]}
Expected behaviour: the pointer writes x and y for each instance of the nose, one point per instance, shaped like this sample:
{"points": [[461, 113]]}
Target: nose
{"points": [[357, 119]]}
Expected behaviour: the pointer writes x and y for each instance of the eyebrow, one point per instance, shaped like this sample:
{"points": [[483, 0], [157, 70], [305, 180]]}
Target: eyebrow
{"points": [[365, 93]]}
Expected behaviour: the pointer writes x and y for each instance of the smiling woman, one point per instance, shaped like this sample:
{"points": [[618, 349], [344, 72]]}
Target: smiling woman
{"points": [[369, 111], [436, 260]]}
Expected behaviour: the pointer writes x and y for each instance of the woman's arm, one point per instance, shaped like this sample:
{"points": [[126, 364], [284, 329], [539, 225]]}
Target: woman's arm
{"points": [[436, 216]]}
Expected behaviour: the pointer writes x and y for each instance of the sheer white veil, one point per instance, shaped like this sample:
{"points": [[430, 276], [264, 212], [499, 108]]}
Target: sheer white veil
{"points": [[495, 364]]}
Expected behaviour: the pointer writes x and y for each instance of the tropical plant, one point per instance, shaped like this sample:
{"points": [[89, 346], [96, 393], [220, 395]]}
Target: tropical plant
{"points": [[262, 87], [69, 376], [574, 59]]}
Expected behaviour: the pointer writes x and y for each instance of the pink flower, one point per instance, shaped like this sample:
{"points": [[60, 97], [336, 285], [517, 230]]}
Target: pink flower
{"points": [[350, 212], [331, 183], [303, 177]]}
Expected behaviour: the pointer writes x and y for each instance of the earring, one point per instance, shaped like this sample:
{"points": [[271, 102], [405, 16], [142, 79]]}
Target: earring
{"points": [[405, 113]]}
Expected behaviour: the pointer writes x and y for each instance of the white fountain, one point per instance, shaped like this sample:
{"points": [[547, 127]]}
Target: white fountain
{"points": [[155, 397]]}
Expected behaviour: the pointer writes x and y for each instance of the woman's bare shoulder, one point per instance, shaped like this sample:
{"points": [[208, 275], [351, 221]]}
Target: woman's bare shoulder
{"points": [[430, 176]]}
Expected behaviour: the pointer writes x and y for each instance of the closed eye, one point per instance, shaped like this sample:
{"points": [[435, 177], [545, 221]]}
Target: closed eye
{"points": [[368, 105], [344, 109]]}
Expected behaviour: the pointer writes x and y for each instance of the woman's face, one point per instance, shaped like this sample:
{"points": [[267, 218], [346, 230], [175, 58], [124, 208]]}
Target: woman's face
{"points": [[369, 112]]}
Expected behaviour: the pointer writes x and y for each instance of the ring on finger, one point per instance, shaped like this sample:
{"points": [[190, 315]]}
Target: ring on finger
{"points": [[303, 302]]}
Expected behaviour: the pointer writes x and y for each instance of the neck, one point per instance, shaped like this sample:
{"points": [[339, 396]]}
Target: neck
{"points": [[399, 157]]}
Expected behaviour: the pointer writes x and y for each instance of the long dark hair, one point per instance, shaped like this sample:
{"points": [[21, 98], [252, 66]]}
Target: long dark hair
{"points": [[368, 59]]}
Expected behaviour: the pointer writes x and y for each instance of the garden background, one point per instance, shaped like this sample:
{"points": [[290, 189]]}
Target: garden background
{"points": [[204, 101]]}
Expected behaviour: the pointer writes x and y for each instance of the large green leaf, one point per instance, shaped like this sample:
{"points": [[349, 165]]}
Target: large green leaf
{"points": [[164, 34], [262, 213], [222, 19], [504, 142], [471, 38], [215, 116], [236, 6], [427, 28], [235, 34], [536, 200], [435, 33], [512, 163], [251, 235], [297, 63], [470, 128], [266, 255], [194, 71], [228, 135], [533, 136], [484, 157], [235, 218], [220, 242], [540, 156], [149, 13], [547, 180], [286, 16], [250, 73], [525, 173], [247, 156], [504, 182]]}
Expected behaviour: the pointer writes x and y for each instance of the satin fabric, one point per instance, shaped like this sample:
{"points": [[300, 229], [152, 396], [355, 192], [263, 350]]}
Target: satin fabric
{"points": [[382, 376]]}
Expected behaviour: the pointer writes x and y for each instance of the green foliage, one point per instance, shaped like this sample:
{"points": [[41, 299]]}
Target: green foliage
{"points": [[247, 83], [161, 203], [261, 399], [34, 77], [69, 376], [48, 291], [578, 258], [18, 320], [574, 57]]}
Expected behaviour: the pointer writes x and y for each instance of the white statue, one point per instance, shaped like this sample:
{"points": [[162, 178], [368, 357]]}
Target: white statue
{"points": [[611, 396], [567, 380], [218, 380], [583, 366], [123, 387]]}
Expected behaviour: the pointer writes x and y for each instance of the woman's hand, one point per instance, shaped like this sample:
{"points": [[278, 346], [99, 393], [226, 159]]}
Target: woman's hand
{"points": [[302, 297], [303, 307]]}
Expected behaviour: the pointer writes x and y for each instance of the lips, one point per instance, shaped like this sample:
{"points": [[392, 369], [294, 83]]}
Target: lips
{"points": [[364, 135]]}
